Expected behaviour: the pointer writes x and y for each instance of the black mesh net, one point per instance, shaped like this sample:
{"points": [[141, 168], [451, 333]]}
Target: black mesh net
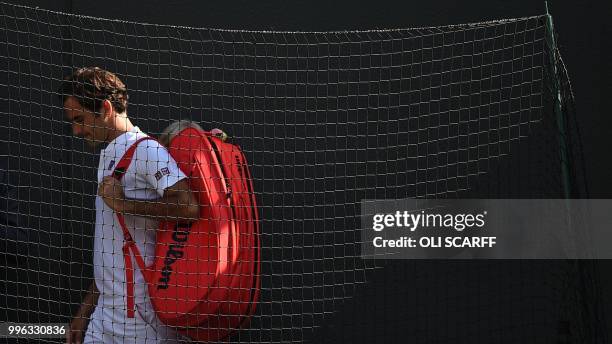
{"points": [[325, 120]]}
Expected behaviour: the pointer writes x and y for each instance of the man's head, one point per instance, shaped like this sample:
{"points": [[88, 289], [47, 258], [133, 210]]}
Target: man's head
{"points": [[174, 129], [94, 100]]}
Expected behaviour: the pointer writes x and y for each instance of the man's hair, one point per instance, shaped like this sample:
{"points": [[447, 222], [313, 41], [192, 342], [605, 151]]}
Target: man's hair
{"points": [[173, 129], [91, 86]]}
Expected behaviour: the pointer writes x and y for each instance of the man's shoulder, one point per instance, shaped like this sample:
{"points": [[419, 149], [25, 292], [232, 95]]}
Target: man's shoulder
{"points": [[148, 144], [150, 150]]}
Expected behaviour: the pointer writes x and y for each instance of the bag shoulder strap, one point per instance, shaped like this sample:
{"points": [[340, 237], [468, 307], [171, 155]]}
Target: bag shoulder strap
{"points": [[126, 159], [129, 244]]}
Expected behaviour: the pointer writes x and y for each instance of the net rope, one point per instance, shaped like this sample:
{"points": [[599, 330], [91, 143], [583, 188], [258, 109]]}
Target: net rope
{"points": [[326, 119]]}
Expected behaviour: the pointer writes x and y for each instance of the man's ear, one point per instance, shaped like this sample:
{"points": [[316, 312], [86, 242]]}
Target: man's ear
{"points": [[107, 108]]}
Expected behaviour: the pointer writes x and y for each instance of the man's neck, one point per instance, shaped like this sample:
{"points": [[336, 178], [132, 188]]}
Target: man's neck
{"points": [[122, 126]]}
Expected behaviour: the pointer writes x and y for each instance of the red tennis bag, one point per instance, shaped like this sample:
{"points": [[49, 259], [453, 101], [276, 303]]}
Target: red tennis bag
{"points": [[204, 280]]}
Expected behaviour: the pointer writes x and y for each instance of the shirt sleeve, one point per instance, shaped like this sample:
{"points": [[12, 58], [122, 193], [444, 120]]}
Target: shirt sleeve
{"points": [[159, 169]]}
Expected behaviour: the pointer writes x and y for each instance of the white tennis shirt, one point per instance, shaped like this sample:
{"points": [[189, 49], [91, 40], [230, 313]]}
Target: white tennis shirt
{"points": [[151, 171]]}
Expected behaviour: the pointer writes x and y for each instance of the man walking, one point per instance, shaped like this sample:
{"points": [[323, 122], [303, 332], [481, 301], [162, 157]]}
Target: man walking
{"points": [[152, 189]]}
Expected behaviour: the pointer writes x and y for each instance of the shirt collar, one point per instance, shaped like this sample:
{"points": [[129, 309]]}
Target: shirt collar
{"points": [[121, 141]]}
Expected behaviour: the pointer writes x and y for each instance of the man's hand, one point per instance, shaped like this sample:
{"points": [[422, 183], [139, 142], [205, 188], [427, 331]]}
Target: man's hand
{"points": [[177, 204], [111, 192], [77, 329], [78, 325]]}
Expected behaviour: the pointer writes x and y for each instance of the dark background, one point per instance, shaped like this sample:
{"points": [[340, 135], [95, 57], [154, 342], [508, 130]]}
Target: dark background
{"points": [[583, 40], [583, 28]]}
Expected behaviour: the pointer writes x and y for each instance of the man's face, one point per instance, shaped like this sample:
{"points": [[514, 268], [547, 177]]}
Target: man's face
{"points": [[85, 123]]}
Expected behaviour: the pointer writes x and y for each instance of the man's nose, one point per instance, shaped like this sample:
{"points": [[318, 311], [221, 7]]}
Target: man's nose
{"points": [[77, 130]]}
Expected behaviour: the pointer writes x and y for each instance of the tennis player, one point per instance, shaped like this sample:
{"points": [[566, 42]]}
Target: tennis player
{"points": [[152, 189]]}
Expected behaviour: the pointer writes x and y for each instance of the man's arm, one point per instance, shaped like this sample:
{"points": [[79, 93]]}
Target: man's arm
{"points": [[177, 204], [89, 301], [78, 325]]}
